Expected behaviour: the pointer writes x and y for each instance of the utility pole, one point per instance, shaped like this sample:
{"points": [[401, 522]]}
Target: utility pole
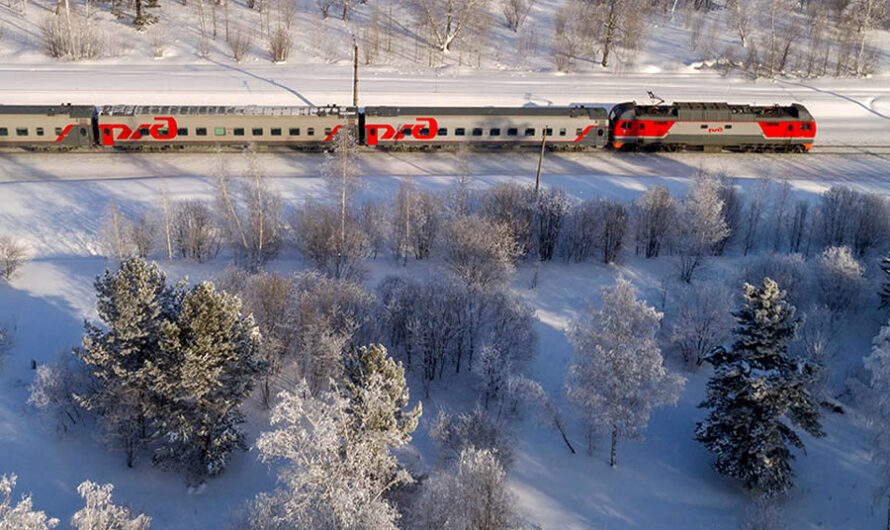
{"points": [[354, 73], [540, 161]]}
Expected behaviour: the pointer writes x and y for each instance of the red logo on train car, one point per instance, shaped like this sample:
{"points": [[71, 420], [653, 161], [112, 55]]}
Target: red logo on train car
{"points": [[106, 130], [715, 130], [388, 132]]}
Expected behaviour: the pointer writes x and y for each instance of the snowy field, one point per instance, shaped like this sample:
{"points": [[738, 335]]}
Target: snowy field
{"points": [[57, 204]]}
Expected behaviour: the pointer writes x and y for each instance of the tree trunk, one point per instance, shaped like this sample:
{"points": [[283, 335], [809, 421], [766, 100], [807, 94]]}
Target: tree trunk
{"points": [[610, 32], [613, 461]]}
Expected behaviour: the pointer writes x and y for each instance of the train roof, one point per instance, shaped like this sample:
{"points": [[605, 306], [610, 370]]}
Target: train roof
{"points": [[593, 112], [717, 111], [75, 111], [222, 110]]}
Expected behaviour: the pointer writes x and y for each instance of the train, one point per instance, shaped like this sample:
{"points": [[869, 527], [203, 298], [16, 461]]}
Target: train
{"points": [[681, 126]]}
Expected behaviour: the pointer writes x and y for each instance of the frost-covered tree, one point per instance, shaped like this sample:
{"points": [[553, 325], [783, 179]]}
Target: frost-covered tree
{"points": [[878, 403], [617, 376], [839, 279], [194, 233], [597, 224], [702, 225], [100, 513], [208, 365], [13, 254], [22, 515], [788, 270], [513, 205], [550, 212], [341, 170], [873, 223], [480, 253], [655, 216], [337, 453], [133, 304], [373, 218], [837, 216], [702, 320], [756, 386], [55, 390], [474, 496]]}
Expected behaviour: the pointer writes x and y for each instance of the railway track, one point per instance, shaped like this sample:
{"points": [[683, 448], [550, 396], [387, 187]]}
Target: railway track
{"points": [[877, 150]]}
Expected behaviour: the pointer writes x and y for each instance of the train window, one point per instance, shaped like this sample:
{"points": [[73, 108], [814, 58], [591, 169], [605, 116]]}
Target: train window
{"points": [[21, 131], [58, 132], [201, 131], [257, 131], [512, 131], [40, 131], [275, 132], [219, 131], [406, 131], [442, 131], [143, 131], [182, 131], [163, 132], [5, 132], [529, 132], [425, 131], [238, 131], [600, 132], [625, 125], [727, 126], [548, 131], [327, 131], [83, 131], [562, 132], [477, 132], [294, 131], [704, 127], [495, 132], [579, 131], [460, 131], [310, 131], [790, 127]]}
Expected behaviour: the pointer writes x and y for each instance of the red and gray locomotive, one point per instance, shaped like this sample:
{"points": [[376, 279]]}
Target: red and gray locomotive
{"points": [[710, 127]]}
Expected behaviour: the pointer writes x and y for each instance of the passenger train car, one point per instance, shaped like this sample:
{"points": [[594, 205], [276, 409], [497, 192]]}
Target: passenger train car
{"points": [[627, 126]]}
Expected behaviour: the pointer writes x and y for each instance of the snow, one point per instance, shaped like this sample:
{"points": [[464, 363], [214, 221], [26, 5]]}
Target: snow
{"points": [[56, 203]]}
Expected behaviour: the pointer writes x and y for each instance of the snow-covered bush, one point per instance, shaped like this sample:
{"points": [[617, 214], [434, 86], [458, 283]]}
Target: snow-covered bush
{"points": [[512, 205], [318, 227], [55, 390], [480, 253], [839, 279], [195, 233], [790, 271], [550, 212], [474, 495], [13, 254], [597, 224], [655, 215], [417, 221], [702, 320], [477, 428]]}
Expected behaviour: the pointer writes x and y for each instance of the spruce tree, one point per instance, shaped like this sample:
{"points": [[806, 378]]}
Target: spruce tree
{"points": [[133, 303], [755, 387], [210, 364]]}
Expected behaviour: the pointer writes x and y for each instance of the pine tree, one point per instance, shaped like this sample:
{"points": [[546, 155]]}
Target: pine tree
{"points": [[885, 287], [617, 376], [755, 385], [133, 303], [210, 363]]}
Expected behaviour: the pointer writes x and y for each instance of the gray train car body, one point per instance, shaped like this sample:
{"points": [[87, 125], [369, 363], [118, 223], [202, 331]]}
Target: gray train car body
{"points": [[712, 127], [407, 127], [46, 127], [140, 127]]}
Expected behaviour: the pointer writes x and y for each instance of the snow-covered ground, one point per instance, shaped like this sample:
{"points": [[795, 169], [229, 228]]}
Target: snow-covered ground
{"points": [[56, 203]]}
